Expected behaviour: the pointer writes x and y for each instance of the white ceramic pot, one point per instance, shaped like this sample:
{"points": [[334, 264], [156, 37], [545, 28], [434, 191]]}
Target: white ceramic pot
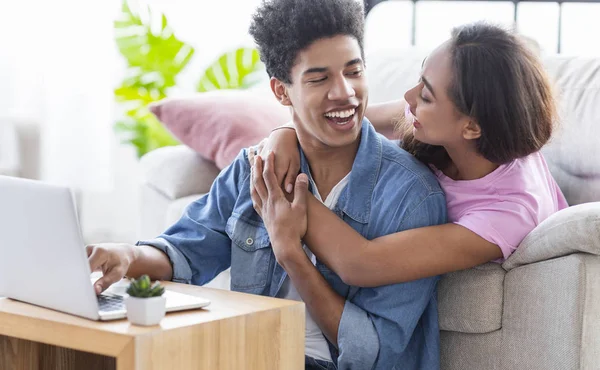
{"points": [[145, 311]]}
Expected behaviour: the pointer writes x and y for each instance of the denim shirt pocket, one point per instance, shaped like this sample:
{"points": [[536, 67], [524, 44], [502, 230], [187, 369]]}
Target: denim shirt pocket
{"points": [[251, 254]]}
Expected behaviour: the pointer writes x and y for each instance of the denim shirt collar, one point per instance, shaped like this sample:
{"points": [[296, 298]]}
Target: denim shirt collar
{"points": [[355, 201]]}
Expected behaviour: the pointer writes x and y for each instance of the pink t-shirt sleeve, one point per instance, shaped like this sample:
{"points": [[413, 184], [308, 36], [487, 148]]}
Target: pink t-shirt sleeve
{"points": [[502, 223]]}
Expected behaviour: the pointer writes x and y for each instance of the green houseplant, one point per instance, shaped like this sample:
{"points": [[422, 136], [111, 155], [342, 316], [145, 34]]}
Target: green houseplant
{"points": [[145, 302], [155, 57]]}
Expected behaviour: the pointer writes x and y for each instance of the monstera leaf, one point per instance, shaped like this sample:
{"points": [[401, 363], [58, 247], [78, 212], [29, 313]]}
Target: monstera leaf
{"points": [[154, 58], [149, 44], [238, 69]]}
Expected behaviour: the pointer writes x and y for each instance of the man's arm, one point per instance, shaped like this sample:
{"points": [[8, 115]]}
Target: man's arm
{"points": [[322, 302], [197, 246]]}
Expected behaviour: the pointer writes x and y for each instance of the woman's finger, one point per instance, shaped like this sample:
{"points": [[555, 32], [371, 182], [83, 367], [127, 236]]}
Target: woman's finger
{"points": [[251, 154], [290, 178]]}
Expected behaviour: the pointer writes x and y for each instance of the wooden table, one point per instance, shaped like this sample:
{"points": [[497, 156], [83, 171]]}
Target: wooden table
{"points": [[237, 331]]}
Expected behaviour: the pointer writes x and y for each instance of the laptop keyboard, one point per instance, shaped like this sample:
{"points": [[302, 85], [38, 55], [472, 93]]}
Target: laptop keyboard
{"points": [[111, 302]]}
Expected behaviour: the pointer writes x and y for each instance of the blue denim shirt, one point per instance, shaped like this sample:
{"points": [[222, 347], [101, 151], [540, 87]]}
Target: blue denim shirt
{"points": [[388, 327]]}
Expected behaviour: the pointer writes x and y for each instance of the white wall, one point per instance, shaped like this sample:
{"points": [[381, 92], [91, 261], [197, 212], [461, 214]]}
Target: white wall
{"points": [[211, 27]]}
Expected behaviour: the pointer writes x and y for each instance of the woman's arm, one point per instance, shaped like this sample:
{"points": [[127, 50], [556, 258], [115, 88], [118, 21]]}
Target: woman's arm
{"points": [[384, 116], [404, 256]]}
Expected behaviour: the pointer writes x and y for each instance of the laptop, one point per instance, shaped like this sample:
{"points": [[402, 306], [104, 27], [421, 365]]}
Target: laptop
{"points": [[43, 259]]}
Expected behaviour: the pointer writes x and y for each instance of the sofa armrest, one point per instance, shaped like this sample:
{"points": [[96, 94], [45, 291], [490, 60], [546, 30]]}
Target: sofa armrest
{"points": [[177, 172], [551, 314], [571, 230]]}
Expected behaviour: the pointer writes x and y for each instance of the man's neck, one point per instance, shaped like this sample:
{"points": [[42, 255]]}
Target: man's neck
{"points": [[328, 166]]}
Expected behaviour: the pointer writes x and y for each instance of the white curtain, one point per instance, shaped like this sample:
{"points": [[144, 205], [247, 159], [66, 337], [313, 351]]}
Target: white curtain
{"points": [[57, 70]]}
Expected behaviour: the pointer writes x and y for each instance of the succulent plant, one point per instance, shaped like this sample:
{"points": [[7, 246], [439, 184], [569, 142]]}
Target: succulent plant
{"points": [[143, 288]]}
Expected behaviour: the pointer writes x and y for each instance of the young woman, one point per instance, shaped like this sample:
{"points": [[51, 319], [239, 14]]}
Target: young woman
{"points": [[480, 113]]}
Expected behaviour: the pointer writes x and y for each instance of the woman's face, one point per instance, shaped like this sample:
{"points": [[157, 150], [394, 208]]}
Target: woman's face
{"points": [[434, 116]]}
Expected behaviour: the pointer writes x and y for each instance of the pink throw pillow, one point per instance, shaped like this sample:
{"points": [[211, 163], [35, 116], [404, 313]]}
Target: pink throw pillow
{"points": [[218, 124]]}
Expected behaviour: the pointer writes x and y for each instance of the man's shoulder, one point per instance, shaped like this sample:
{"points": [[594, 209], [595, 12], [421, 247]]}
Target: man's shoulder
{"points": [[397, 163], [240, 166]]}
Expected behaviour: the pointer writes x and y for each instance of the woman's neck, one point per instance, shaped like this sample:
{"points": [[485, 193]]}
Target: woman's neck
{"points": [[467, 164]]}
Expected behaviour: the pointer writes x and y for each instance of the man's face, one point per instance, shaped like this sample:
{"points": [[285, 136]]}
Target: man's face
{"points": [[328, 92]]}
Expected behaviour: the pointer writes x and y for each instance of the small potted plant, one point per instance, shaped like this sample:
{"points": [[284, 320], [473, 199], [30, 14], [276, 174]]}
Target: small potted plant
{"points": [[145, 303]]}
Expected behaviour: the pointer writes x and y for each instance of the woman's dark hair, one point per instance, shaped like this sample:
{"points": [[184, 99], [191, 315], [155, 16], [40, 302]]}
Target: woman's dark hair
{"points": [[499, 82], [283, 28]]}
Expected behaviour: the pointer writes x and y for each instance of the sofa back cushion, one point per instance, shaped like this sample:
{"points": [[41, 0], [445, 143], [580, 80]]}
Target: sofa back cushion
{"points": [[573, 155], [218, 124]]}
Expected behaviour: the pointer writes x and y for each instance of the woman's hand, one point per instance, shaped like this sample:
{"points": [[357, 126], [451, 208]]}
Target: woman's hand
{"points": [[285, 220]]}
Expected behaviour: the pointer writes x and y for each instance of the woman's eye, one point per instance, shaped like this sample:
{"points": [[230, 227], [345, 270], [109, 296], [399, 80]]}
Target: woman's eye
{"points": [[424, 99]]}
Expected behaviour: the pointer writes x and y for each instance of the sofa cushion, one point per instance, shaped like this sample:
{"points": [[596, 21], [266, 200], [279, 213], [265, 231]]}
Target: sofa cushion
{"points": [[218, 124], [177, 171], [470, 301], [573, 155]]}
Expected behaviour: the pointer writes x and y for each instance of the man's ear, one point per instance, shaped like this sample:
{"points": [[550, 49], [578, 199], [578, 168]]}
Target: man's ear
{"points": [[471, 130], [280, 91]]}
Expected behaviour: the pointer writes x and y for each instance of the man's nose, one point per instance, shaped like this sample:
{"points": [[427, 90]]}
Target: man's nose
{"points": [[341, 90]]}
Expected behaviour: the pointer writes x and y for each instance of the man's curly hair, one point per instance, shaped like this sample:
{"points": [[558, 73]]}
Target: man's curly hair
{"points": [[283, 28]]}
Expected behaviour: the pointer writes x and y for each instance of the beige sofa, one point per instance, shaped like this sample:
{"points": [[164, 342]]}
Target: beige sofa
{"points": [[538, 310]]}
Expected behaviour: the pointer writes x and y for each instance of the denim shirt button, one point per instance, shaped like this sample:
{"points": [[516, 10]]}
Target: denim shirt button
{"points": [[249, 241]]}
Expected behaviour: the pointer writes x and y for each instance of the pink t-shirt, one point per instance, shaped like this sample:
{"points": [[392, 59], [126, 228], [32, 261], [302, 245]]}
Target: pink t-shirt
{"points": [[504, 206]]}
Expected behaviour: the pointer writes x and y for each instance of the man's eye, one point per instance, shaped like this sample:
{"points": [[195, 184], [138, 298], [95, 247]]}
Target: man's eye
{"points": [[319, 80], [356, 73]]}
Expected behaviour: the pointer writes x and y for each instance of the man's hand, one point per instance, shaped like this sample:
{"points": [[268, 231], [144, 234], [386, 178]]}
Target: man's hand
{"points": [[113, 260], [284, 144], [285, 221]]}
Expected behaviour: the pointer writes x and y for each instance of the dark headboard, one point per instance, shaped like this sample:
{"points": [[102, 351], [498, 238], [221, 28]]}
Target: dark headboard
{"points": [[369, 4]]}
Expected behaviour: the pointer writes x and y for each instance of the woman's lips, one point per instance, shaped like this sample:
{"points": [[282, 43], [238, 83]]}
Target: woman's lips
{"points": [[410, 117]]}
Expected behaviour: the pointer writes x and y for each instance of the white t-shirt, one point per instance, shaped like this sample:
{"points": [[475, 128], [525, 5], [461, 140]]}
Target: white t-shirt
{"points": [[315, 344]]}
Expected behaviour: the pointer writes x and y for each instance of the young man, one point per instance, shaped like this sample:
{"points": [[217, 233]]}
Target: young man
{"points": [[313, 51]]}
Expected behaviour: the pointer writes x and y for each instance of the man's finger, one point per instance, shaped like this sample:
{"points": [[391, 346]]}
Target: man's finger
{"points": [[256, 202], [300, 191], [257, 179], [96, 258], [111, 277], [269, 176]]}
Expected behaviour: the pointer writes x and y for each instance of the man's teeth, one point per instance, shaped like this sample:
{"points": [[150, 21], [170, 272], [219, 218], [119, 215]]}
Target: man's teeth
{"points": [[341, 114]]}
